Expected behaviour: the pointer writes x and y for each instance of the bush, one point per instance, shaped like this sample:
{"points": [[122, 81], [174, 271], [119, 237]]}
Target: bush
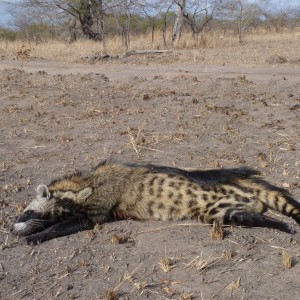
{"points": [[8, 34]]}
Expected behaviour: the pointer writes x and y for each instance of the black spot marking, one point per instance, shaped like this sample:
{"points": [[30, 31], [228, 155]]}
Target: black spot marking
{"points": [[150, 208], [284, 206], [141, 188], [171, 184], [214, 197], [244, 189], [170, 195], [146, 173], [177, 187], [177, 202], [208, 205], [161, 181], [159, 192], [189, 192], [198, 217], [216, 190], [196, 212], [161, 206], [206, 188], [172, 176], [238, 197], [205, 197], [181, 183], [214, 211], [179, 196], [223, 205], [173, 210], [151, 182], [192, 203], [245, 199], [151, 191], [223, 190]]}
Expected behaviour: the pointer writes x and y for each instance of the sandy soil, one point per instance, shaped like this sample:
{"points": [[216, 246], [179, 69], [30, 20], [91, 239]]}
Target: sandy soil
{"points": [[59, 118]]}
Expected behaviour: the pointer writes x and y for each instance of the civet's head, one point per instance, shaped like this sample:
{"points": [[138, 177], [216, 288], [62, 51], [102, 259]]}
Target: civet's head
{"points": [[38, 215], [48, 208]]}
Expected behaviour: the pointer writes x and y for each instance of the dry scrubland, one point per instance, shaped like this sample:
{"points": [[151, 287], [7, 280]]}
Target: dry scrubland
{"points": [[260, 47], [55, 123]]}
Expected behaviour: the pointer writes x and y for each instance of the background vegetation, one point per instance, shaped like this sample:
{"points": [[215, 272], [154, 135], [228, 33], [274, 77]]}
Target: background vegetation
{"points": [[115, 26]]}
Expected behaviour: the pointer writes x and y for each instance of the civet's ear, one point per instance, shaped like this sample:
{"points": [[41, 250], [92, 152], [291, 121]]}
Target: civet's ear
{"points": [[42, 190], [84, 194]]}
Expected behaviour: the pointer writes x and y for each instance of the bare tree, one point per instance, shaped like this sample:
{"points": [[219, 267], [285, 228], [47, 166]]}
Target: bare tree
{"points": [[243, 12], [181, 13], [281, 15], [89, 13], [200, 13], [194, 13], [157, 12], [33, 22], [165, 16], [122, 10]]}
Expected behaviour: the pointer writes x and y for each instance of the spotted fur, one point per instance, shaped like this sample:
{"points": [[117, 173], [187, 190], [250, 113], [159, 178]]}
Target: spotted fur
{"points": [[147, 192]]}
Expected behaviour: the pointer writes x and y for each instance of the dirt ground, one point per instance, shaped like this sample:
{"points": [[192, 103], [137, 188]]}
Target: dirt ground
{"points": [[58, 118]]}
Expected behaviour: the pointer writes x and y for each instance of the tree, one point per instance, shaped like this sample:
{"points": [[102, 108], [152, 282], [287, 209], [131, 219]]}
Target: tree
{"points": [[179, 20], [200, 13], [194, 13], [243, 12], [158, 13], [33, 22], [123, 10], [165, 16], [89, 13], [281, 15]]}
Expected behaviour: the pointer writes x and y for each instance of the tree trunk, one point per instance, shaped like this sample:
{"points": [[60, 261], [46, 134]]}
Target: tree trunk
{"points": [[178, 22], [152, 34], [91, 20], [126, 33], [164, 31], [97, 11]]}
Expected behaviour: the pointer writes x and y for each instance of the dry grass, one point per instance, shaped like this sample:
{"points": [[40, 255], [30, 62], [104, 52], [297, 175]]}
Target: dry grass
{"points": [[217, 231], [111, 295], [23, 54], [212, 47], [234, 285], [116, 239], [167, 264], [287, 259]]}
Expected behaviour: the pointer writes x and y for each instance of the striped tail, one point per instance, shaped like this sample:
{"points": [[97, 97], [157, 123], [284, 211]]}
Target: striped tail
{"points": [[278, 199]]}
